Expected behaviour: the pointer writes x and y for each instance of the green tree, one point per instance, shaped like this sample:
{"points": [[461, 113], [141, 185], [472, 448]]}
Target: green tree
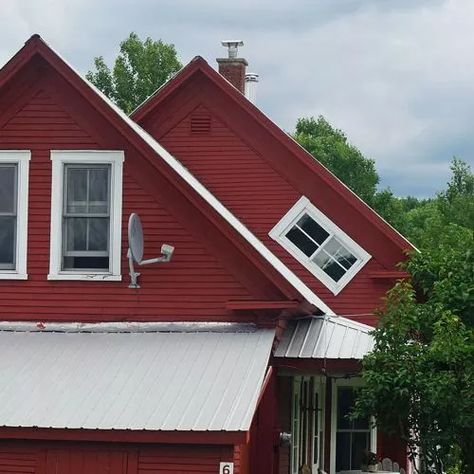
{"points": [[139, 70], [331, 147], [420, 376]]}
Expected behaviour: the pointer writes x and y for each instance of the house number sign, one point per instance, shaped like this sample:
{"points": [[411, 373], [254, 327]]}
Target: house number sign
{"points": [[226, 468]]}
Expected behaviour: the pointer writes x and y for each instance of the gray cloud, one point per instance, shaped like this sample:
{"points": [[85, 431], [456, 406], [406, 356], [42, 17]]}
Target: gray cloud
{"points": [[396, 76]]}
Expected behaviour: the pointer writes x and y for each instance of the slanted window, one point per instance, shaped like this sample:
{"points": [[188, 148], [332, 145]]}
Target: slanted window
{"points": [[321, 246], [86, 215], [13, 213]]}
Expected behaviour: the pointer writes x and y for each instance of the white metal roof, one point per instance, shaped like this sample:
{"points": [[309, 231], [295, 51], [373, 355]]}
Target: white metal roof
{"points": [[325, 337], [228, 216], [184, 381]]}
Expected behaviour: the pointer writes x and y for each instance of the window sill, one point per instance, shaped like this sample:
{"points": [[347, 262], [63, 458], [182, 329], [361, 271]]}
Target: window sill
{"points": [[84, 277], [13, 276]]}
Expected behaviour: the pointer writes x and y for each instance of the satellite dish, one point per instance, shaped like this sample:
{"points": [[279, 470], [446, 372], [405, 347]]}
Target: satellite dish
{"points": [[136, 249], [135, 237]]}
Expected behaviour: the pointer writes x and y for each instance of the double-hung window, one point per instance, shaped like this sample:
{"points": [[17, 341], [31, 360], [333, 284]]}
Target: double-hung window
{"points": [[350, 438], [13, 213], [86, 215], [320, 245]]}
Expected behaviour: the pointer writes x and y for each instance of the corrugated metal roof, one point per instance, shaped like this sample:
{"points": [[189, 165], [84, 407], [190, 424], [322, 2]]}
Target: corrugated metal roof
{"points": [[140, 381], [325, 337]]}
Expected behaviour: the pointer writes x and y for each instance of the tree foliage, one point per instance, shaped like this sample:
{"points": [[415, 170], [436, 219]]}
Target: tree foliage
{"points": [[420, 376], [331, 147], [139, 70]]}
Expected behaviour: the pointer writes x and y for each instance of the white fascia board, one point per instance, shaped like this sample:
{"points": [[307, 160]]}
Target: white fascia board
{"points": [[184, 173]]}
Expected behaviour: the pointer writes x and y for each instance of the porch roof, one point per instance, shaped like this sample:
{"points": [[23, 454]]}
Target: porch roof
{"points": [[172, 377], [325, 337]]}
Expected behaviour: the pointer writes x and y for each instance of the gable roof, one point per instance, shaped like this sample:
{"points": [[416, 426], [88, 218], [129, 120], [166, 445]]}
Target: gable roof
{"points": [[152, 150], [308, 166]]}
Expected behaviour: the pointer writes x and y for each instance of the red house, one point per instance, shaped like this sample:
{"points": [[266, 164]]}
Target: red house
{"points": [[241, 353]]}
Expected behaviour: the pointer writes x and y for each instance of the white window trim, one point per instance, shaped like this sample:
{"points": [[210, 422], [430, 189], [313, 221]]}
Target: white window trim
{"points": [[59, 158], [319, 387], [22, 159], [291, 217], [351, 382]]}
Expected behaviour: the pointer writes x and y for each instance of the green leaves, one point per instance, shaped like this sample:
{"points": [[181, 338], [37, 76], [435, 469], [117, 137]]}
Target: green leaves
{"points": [[139, 70], [330, 146]]}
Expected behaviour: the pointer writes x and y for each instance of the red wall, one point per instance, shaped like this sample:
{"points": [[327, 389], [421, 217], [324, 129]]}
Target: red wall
{"points": [[88, 458], [245, 183], [194, 286]]}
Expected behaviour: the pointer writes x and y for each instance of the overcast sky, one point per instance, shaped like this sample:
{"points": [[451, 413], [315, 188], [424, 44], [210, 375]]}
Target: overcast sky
{"points": [[396, 75]]}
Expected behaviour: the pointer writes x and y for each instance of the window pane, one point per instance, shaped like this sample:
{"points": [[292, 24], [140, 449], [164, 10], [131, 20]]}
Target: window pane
{"points": [[306, 245], [98, 233], [360, 443], [7, 242], [76, 190], [310, 226], [86, 263], [8, 189], [343, 452], [98, 190], [76, 234], [345, 401], [330, 266], [334, 248]]}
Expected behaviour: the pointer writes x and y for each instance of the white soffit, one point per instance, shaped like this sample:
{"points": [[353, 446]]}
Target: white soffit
{"points": [[166, 381], [185, 174], [325, 337]]}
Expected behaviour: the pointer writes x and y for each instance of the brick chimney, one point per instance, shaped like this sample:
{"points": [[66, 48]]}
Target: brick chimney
{"points": [[232, 67]]}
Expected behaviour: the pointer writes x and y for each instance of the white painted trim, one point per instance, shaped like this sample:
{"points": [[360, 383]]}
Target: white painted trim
{"points": [[319, 387], [22, 159], [351, 382], [121, 326], [303, 205], [59, 158], [232, 220]]}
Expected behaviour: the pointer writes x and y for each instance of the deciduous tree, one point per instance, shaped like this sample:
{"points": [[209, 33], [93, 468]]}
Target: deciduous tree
{"points": [[139, 70]]}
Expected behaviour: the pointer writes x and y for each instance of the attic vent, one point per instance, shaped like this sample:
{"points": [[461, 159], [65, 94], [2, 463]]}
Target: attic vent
{"points": [[200, 122]]}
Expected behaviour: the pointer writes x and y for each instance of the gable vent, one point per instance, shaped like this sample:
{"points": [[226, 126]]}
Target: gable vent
{"points": [[200, 122]]}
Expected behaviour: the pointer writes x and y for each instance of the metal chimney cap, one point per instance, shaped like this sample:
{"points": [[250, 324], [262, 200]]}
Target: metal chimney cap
{"points": [[251, 77], [232, 47]]}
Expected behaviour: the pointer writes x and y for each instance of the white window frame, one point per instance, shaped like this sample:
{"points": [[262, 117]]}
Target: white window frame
{"points": [[86, 157], [351, 383], [302, 206], [21, 158]]}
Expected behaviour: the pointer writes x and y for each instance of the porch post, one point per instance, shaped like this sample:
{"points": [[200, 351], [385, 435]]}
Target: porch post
{"points": [[327, 426]]}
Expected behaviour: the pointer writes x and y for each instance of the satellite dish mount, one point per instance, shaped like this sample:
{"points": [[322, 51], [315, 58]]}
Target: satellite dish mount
{"points": [[136, 248]]}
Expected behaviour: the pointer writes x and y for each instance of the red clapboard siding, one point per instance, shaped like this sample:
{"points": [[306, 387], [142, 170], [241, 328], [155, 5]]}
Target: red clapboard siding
{"points": [[180, 459], [18, 460], [245, 183], [194, 286], [100, 458]]}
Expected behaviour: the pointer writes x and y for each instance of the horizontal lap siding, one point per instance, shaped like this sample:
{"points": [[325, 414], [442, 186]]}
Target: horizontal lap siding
{"points": [[96, 458], [15, 460], [180, 459], [194, 286], [248, 186]]}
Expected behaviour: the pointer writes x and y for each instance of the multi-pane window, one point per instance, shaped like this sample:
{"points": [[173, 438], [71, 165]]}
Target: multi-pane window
{"points": [[86, 217], [328, 252], [322, 248], [8, 215], [14, 166], [353, 437]]}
